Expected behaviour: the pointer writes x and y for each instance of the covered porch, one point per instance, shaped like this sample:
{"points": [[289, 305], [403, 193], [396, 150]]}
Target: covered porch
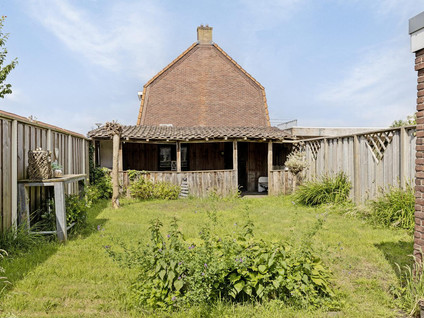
{"points": [[220, 160]]}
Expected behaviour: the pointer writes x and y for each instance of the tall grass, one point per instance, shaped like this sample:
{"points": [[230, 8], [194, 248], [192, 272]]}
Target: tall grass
{"points": [[18, 240], [411, 291], [394, 208], [3, 279], [327, 189]]}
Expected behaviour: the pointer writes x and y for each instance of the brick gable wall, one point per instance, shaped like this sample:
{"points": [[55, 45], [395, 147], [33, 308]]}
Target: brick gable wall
{"points": [[204, 88]]}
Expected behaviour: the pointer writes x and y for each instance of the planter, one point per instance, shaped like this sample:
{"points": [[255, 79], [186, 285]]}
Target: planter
{"points": [[58, 173]]}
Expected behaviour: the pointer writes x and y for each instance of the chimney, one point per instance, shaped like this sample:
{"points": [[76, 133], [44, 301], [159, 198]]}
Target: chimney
{"points": [[204, 34]]}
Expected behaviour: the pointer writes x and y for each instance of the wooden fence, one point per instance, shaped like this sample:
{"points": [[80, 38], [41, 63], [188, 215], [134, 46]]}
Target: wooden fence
{"points": [[200, 183], [18, 135], [372, 160]]}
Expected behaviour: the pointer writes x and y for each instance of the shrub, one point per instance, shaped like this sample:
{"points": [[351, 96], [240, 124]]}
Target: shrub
{"points": [[175, 273], [76, 209], [101, 186], [296, 162], [395, 208], [145, 189], [328, 189]]}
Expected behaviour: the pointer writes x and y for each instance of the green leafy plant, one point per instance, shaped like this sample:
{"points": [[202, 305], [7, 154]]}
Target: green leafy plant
{"points": [[3, 280], [101, 185], [76, 209], [56, 166], [5, 69], [145, 189], [395, 208], [296, 162], [327, 189], [175, 273]]}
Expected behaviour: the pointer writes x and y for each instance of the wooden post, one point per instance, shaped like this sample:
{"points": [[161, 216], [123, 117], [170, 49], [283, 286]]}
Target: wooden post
{"points": [[356, 172], [115, 174], [70, 161], [14, 173], [270, 189], [404, 156], [23, 205], [120, 158], [49, 140], [178, 156], [83, 157], [59, 198], [326, 154], [235, 164]]}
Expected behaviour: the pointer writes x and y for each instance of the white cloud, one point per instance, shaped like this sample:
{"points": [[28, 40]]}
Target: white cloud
{"points": [[269, 13], [379, 89], [125, 36]]}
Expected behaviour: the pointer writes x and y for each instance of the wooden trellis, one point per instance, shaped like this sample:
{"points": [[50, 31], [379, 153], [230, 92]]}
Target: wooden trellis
{"points": [[315, 146], [378, 142]]}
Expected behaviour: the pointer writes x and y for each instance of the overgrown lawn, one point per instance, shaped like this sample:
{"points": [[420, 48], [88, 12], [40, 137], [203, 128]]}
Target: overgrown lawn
{"points": [[79, 279]]}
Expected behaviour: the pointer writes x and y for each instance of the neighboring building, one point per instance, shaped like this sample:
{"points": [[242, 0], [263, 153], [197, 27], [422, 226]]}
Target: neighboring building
{"points": [[205, 119], [203, 87]]}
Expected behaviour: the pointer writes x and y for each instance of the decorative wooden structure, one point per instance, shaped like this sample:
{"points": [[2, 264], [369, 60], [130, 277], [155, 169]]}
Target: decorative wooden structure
{"points": [[58, 185], [220, 159], [18, 135]]}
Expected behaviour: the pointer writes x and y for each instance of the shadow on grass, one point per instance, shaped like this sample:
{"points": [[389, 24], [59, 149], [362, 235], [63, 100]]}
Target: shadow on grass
{"points": [[20, 263], [397, 253]]}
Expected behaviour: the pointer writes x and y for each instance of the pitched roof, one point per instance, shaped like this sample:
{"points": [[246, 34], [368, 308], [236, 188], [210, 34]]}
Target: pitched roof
{"points": [[164, 133], [180, 58]]}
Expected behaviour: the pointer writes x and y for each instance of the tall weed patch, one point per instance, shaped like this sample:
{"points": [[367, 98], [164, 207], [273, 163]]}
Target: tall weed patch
{"points": [[394, 208], [327, 189], [145, 189], [175, 273]]}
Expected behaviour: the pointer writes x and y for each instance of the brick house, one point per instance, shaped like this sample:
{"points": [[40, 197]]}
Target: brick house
{"points": [[203, 119]]}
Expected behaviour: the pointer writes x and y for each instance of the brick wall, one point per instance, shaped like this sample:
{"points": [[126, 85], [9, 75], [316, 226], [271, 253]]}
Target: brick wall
{"points": [[419, 162], [204, 88]]}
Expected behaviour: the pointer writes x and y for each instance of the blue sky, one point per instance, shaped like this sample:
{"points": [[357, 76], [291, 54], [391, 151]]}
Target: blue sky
{"points": [[325, 63]]}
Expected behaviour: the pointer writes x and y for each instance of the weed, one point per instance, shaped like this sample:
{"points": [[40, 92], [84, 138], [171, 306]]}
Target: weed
{"points": [[394, 208], [328, 189], [411, 291], [175, 273]]}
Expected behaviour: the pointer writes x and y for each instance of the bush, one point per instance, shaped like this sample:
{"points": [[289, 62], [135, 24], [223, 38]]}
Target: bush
{"points": [[296, 162], [328, 189], [394, 208], [175, 273], [145, 189], [101, 185], [76, 209]]}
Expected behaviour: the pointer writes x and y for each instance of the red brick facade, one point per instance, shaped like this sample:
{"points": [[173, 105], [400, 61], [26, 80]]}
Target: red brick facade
{"points": [[204, 87], [419, 162]]}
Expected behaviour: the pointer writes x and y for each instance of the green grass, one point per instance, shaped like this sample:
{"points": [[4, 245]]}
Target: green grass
{"points": [[79, 279]]}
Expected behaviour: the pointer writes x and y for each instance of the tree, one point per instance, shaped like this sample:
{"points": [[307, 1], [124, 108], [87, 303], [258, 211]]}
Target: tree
{"points": [[410, 121], [5, 70]]}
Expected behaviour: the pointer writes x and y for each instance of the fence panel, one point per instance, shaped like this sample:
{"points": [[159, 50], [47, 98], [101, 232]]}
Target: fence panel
{"points": [[384, 158], [19, 135]]}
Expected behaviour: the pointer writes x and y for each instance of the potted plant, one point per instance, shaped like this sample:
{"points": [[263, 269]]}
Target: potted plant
{"points": [[57, 170]]}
